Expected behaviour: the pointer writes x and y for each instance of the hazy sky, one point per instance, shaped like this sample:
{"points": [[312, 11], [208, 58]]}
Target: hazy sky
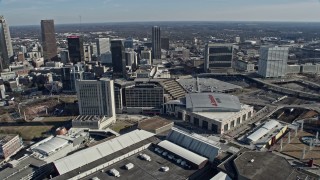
{"points": [[24, 12]]}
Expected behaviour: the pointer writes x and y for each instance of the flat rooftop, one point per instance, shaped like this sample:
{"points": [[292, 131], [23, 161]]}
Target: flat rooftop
{"points": [[145, 170], [264, 165], [153, 123], [221, 116]]}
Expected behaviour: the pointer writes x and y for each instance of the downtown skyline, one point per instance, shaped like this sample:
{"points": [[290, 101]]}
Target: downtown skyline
{"points": [[20, 12]]}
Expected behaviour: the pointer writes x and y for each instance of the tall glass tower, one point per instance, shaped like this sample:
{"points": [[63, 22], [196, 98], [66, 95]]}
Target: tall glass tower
{"points": [[49, 40], [6, 51], [156, 42]]}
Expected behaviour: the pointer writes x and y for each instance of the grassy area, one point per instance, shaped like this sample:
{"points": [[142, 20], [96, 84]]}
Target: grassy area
{"points": [[57, 119], [26, 132], [119, 125]]}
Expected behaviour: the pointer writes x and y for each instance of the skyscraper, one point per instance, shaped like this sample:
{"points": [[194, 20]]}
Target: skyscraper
{"points": [[156, 42], [75, 47], [103, 46], [165, 43], [218, 56], [118, 59], [273, 61], [6, 51], [49, 40], [96, 97]]}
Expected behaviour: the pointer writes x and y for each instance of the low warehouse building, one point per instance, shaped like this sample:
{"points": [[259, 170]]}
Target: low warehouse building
{"points": [[191, 157]]}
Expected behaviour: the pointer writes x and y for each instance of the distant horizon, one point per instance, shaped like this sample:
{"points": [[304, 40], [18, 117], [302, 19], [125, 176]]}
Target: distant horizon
{"points": [[30, 12], [182, 21]]}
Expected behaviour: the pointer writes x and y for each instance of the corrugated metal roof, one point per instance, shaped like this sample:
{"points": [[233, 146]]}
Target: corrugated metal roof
{"points": [[51, 145], [202, 146], [182, 152], [263, 130], [94, 153]]}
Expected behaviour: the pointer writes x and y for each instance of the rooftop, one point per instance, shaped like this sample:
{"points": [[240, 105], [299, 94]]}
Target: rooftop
{"points": [[263, 166], [212, 102], [145, 170], [153, 123]]}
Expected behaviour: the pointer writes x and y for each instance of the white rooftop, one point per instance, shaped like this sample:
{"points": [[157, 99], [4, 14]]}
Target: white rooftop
{"points": [[221, 116], [104, 149]]}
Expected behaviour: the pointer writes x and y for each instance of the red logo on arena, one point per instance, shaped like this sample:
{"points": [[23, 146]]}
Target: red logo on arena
{"points": [[213, 101]]}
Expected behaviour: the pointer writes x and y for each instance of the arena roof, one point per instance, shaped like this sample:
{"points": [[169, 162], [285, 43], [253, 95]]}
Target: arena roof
{"points": [[182, 152], [212, 102], [99, 151]]}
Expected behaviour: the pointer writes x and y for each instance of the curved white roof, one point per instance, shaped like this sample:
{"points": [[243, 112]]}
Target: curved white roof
{"points": [[51, 145], [268, 126], [182, 152]]}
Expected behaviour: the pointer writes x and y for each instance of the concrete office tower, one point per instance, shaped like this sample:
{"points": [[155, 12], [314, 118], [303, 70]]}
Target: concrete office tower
{"points": [[273, 61], [103, 46], [6, 51], [118, 59], [131, 58], [87, 52], [156, 42], [165, 43], [75, 47], [96, 97], [146, 54], [218, 57], [49, 42]]}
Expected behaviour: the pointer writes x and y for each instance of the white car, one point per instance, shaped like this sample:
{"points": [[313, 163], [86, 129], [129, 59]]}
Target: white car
{"points": [[164, 169]]}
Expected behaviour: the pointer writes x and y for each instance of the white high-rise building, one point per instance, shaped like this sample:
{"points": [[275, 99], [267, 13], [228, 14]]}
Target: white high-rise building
{"points": [[6, 50], [103, 46], [273, 61], [131, 57], [87, 52], [96, 97]]}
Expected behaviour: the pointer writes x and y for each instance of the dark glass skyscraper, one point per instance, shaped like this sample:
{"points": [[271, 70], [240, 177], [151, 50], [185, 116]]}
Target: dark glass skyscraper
{"points": [[49, 42], [118, 60], [156, 42], [75, 47]]}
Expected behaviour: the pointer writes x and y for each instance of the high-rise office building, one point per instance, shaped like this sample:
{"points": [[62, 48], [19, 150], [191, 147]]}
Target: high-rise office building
{"points": [[156, 42], [96, 97], [87, 52], [128, 43], [49, 40], [273, 61], [118, 59], [218, 56], [165, 43], [75, 47], [103, 45], [6, 50], [131, 58], [146, 54]]}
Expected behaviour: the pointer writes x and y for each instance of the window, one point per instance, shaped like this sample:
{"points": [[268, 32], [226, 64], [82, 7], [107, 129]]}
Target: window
{"points": [[244, 117], [214, 128], [238, 120], [196, 121], [204, 124], [226, 127], [232, 124]]}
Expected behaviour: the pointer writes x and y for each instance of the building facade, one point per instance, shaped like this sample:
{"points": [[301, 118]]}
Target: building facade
{"points": [[48, 40], [144, 98], [165, 43], [156, 42], [273, 61], [118, 59], [9, 145], [218, 56], [75, 47], [96, 97], [103, 46], [6, 50]]}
